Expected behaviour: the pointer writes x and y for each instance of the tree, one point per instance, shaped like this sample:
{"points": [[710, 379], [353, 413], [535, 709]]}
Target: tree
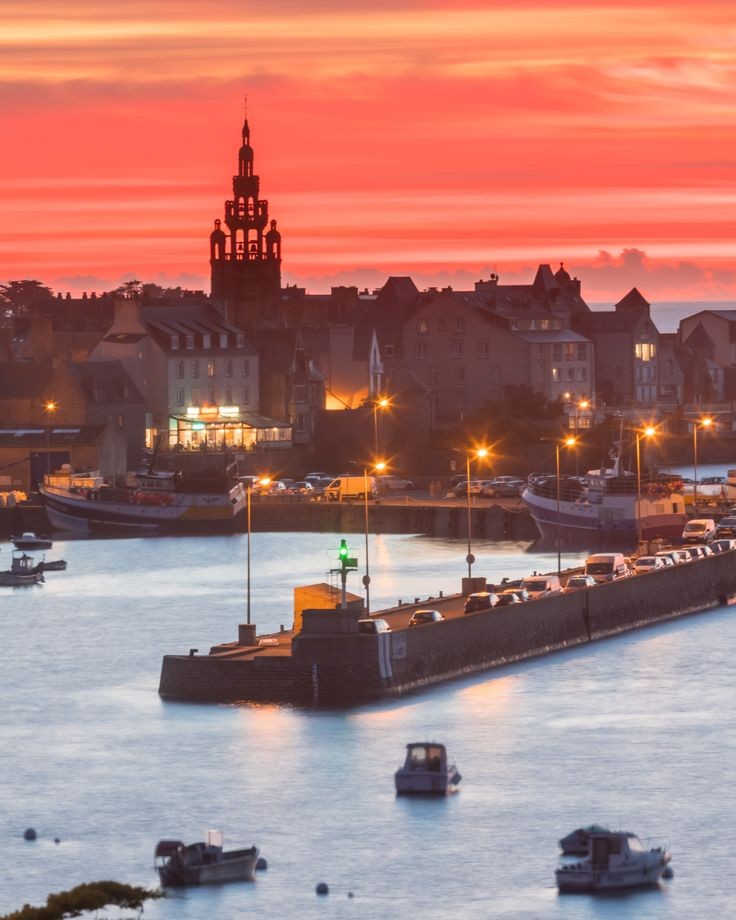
{"points": [[16, 294], [92, 896]]}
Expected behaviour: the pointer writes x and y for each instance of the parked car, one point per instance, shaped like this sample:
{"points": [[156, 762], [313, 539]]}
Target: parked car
{"points": [[503, 488], [726, 527], [301, 488], [646, 564], [723, 545], [698, 552], [270, 487], [481, 600], [393, 483], [578, 583], [373, 627], [672, 554], [699, 530], [421, 617], [514, 596], [667, 560], [313, 477], [461, 489], [541, 585]]}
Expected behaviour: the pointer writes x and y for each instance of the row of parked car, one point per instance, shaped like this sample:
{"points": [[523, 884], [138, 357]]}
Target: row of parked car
{"points": [[499, 487]]}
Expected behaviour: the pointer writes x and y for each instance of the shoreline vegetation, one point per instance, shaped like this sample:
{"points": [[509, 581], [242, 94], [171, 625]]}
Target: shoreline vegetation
{"points": [[87, 897]]}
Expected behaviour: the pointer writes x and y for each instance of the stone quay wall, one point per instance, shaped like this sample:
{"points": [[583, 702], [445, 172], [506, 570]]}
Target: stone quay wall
{"points": [[341, 670]]}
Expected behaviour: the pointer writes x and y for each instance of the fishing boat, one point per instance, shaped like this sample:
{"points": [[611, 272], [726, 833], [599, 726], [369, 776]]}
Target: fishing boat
{"points": [[23, 571], [31, 541], [426, 771], [606, 505], [616, 859], [154, 501], [180, 865]]}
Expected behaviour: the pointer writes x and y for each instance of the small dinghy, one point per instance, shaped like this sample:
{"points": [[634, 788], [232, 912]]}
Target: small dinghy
{"points": [[179, 865], [426, 771], [54, 565], [616, 859]]}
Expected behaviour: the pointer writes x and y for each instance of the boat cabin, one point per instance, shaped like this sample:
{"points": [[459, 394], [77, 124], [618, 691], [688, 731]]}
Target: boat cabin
{"points": [[430, 758]]}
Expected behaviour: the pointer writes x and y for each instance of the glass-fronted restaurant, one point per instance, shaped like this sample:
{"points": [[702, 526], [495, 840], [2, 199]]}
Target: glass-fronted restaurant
{"points": [[226, 427]]}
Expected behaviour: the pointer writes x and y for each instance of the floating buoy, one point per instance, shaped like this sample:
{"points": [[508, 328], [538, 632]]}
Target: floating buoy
{"points": [[350, 894], [57, 840], [669, 872], [322, 888], [29, 834], [261, 863]]}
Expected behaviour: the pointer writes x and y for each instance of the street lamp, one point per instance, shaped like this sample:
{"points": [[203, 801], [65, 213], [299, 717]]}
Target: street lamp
{"points": [[382, 403], [49, 407], [647, 432], [703, 423], [480, 454], [378, 468], [248, 489], [568, 442], [582, 405]]}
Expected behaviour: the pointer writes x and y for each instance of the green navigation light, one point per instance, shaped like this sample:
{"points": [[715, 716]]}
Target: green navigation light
{"points": [[343, 552]]}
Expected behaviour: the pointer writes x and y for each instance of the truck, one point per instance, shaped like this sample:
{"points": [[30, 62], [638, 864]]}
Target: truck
{"points": [[346, 488]]}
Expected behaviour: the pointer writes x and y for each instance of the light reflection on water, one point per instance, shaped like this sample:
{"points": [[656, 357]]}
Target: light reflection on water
{"points": [[636, 732]]}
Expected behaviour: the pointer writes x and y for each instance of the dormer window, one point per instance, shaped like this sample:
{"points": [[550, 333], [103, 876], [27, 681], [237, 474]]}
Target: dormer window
{"points": [[207, 340], [190, 341], [174, 342], [240, 340], [223, 340]]}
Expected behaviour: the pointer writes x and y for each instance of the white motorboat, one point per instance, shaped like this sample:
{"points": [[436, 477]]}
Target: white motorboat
{"points": [[179, 865], [31, 541], [616, 859], [576, 842], [426, 771]]}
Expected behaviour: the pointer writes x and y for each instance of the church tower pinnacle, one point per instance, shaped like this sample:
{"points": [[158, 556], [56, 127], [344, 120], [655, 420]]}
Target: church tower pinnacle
{"points": [[245, 262]]}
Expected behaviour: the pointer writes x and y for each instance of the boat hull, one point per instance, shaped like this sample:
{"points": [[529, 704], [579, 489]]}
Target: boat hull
{"points": [[238, 866], [413, 783], [574, 879], [186, 513], [612, 519]]}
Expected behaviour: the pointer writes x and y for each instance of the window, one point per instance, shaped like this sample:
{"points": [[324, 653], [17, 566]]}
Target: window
{"points": [[582, 351], [582, 374], [644, 351], [433, 376], [229, 395], [569, 351], [246, 367], [484, 349], [557, 352], [245, 394], [210, 368], [228, 367], [120, 421], [195, 368], [302, 421], [555, 374], [388, 350], [571, 373], [207, 340], [174, 342], [211, 397], [223, 340], [457, 348], [180, 397], [179, 369], [420, 349], [195, 397], [460, 375], [190, 341], [422, 326], [240, 340], [98, 393], [441, 324], [458, 324], [494, 372]]}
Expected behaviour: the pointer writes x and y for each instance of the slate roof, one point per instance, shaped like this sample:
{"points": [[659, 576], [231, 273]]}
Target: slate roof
{"points": [[109, 377], [633, 301]]}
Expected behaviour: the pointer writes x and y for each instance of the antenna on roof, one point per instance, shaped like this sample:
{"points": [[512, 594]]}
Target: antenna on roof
{"points": [[245, 105]]}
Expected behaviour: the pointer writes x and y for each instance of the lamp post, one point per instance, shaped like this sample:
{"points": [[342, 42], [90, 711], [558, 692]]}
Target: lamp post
{"points": [[379, 468], [249, 488], [648, 432], [568, 442], [382, 403], [480, 454], [703, 423], [50, 407]]}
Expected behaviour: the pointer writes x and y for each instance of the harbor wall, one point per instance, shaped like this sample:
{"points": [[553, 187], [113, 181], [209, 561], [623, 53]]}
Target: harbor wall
{"points": [[347, 669]]}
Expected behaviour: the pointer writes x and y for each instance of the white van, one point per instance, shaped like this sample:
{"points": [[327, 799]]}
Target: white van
{"points": [[541, 586], [350, 487], [700, 530], [607, 567]]}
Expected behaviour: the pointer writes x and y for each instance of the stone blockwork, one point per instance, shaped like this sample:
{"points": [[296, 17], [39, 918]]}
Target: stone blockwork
{"points": [[350, 668]]}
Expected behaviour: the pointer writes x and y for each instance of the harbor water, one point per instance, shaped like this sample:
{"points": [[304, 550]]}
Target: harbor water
{"points": [[637, 732]]}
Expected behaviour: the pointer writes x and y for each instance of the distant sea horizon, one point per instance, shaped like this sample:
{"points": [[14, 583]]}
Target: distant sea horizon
{"points": [[668, 313]]}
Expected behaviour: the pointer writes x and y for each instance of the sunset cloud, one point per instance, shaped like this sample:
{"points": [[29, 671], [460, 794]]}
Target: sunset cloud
{"points": [[411, 137]]}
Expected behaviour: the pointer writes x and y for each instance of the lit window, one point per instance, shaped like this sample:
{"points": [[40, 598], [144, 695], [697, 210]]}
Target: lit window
{"points": [[555, 374], [422, 326], [210, 368], [569, 351]]}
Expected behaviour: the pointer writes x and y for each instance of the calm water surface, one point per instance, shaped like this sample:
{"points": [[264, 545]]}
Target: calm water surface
{"points": [[637, 732]]}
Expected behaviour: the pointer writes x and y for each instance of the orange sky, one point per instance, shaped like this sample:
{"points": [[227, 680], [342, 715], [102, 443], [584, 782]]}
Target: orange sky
{"points": [[439, 138]]}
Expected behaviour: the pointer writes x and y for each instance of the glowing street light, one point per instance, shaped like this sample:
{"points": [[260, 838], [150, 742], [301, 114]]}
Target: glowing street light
{"points": [[49, 408], [705, 423], [380, 403], [567, 442], [378, 467], [479, 454], [647, 432]]}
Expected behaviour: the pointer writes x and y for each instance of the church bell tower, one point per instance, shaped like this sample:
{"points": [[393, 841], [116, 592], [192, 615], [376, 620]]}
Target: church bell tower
{"points": [[245, 262]]}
